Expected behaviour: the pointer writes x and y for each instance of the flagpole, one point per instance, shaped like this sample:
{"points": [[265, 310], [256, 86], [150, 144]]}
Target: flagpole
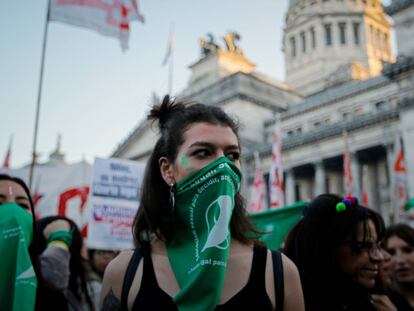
{"points": [[170, 72], [171, 64], [39, 95]]}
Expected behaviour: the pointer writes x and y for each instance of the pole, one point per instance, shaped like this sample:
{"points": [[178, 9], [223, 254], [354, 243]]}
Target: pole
{"points": [[171, 64], [170, 72], [39, 95]]}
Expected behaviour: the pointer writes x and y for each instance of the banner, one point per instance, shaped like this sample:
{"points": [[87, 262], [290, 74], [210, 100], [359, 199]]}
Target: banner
{"points": [[399, 175], [365, 190], [276, 223], [277, 195], [60, 189], [257, 200], [108, 17], [114, 201], [348, 181]]}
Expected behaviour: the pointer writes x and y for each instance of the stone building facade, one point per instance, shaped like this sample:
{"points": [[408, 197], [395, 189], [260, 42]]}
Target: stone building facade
{"points": [[360, 89]]}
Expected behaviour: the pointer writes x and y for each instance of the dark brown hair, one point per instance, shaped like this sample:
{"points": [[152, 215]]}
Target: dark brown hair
{"points": [[314, 242], [402, 231], [155, 214]]}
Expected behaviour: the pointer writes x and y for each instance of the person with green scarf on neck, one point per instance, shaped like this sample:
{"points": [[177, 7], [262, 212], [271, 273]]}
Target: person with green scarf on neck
{"points": [[30, 281], [196, 249]]}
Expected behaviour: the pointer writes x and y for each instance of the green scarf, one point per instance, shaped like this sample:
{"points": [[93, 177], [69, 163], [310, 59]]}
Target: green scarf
{"points": [[18, 281], [199, 249]]}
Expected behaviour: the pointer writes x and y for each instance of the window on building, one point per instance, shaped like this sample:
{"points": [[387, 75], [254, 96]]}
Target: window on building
{"points": [[380, 105], [328, 34], [313, 37], [303, 40], [342, 33], [317, 124], [346, 115], [356, 33], [293, 46], [371, 35], [386, 45]]}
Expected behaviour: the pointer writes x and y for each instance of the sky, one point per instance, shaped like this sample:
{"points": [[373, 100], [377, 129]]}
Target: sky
{"points": [[94, 94]]}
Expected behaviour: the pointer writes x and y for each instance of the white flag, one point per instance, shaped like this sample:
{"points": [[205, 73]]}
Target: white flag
{"points": [[347, 167], [170, 47], [277, 196], [108, 17], [399, 171], [258, 191]]}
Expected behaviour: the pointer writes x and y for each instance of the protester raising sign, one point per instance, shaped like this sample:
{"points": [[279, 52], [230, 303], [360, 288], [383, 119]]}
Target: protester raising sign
{"points": [[114, 201]]}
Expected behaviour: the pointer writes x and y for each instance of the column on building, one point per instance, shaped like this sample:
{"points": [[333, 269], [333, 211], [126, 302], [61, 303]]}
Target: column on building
{"points": [[320, 178], [290, 186], [356, 174]]}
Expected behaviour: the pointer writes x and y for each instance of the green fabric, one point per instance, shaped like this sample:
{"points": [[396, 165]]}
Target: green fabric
{"points": [[277, 222], [62, 235], [409, 205], [199, 250], [18, 281]]}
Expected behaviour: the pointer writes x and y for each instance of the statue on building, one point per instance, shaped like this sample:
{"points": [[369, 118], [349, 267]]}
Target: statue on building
{"points": [[208, 45], [230, 40]]}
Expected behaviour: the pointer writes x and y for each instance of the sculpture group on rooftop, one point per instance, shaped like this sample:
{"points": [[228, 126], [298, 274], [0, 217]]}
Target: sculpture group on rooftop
{"points": [[209, 45]]}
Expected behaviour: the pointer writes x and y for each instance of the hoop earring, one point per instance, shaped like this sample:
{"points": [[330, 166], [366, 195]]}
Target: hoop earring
{"points": [[172, 198]]}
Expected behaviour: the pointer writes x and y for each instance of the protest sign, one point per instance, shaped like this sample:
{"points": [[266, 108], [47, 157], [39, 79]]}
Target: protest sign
{"points": [[114, 200]]}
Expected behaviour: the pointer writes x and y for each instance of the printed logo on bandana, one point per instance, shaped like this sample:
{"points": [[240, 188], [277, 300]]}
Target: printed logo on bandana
{"points": [[29, 273], [218, 231]]}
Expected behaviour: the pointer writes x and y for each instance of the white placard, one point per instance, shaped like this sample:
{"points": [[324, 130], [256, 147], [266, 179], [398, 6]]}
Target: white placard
{"points": [[114, 199]]}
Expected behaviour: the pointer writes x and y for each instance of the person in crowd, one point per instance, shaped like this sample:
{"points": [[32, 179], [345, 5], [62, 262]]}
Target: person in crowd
{"points": [[384, 298], [99, 259], [28, 279], [399, 243], [336, 247], [95, 262], [199, 251], [78, 295]]}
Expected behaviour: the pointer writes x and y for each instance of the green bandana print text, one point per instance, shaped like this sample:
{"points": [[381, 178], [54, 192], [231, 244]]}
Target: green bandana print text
{"points": [[198, 252], [18, 281]]}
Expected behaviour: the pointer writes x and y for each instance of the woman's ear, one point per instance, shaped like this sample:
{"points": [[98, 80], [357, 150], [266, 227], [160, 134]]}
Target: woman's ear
{"points": [[167, 170]]}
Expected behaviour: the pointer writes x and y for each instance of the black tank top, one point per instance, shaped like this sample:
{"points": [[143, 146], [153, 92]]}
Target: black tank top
{"points": [[252, 296]]}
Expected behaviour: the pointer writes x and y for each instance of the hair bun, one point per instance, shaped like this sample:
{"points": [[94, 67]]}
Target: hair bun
{"points": [[162, 112]]}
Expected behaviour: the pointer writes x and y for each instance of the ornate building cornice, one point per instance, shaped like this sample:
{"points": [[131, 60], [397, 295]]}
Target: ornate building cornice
{"points": [[397, 6], [337, 129]]}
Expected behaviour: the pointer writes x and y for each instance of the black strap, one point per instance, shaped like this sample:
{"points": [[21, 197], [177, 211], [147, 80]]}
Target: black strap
{"points": [[279, 279], [129, 276]]}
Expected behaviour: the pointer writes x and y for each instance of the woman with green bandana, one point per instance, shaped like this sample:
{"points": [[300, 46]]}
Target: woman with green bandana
{"points": [[197, 246], [29, 281]]}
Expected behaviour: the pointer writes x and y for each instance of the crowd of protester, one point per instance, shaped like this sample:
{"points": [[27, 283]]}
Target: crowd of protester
{"points": [[339, 256]]}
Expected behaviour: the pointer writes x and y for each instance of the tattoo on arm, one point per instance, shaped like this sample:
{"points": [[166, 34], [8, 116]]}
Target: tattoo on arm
{"points": [[111, 302]]}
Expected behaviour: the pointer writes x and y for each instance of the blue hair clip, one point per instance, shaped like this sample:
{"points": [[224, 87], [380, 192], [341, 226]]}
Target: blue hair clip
{"points": [[348, 201]]}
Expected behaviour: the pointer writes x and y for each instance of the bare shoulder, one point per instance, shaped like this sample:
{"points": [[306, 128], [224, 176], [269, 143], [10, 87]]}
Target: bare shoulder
{"points": [[292, 284], [289, 268], [114, 277]]}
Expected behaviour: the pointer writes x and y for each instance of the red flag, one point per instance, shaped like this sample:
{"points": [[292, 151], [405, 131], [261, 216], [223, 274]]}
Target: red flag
{"points": [[108, 17], [258, 192], [6, 162], [347, 167], [277, 195], [365, 198], [399, 171]]}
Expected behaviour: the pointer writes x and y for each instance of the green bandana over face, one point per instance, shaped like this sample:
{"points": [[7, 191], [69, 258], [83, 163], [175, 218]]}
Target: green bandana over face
{"points": [[18, 281], [199, 249]]}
